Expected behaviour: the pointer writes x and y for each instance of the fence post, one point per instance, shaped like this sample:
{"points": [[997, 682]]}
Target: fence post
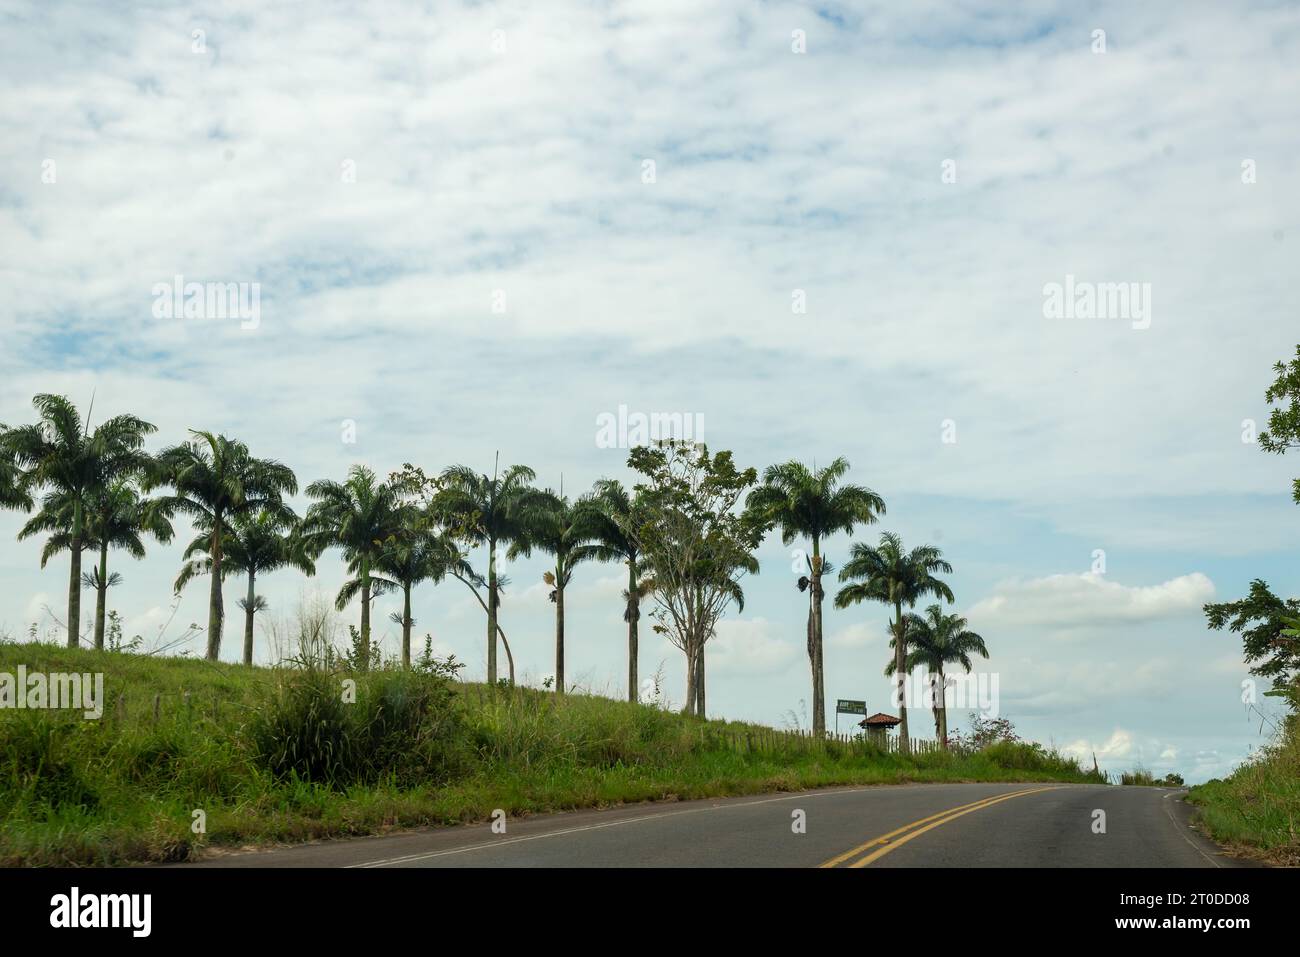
{"points": [[157, 705]]}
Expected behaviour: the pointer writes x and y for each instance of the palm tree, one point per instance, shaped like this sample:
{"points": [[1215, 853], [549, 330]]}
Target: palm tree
{"points": [[361, 516], [61, 454], [614, 517], [417, 553], [894, 577], [217, 482], [564, 530], [938, 640], [13, 494], [810, 503], [115, 517], [496, 511], [257, 544]]}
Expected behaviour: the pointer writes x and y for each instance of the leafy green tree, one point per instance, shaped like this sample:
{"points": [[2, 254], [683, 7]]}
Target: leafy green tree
{"points": [[216, 481], [1283, 430], [60, 454], [494, 512], [697, 545], [890, 575], [359, 516], [1261, 618], [811, 503], [987, 731], [936, 641], [114, 517], [258, 544], [566, 531], [615, 521]]}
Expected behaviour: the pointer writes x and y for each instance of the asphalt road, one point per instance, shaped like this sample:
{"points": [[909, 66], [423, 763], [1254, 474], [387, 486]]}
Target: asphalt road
{"points": [[921, 825]]}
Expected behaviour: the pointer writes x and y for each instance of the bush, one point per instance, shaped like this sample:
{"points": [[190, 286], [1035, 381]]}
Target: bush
{"points": [[402, 727], [410, 729], [983, 733], [304, 729], [1138, 778]]}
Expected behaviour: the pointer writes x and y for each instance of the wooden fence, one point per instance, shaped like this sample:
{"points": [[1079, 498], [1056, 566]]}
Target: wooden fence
{"points": [[156, 707], [774, 742]]}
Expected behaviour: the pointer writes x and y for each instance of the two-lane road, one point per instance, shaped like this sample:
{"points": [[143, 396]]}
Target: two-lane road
{"points": [[919, 825]]}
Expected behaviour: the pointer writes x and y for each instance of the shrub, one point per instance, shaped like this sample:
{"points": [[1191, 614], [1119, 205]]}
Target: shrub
{"points": [[402, 727], [304, 728], [409, 729]]}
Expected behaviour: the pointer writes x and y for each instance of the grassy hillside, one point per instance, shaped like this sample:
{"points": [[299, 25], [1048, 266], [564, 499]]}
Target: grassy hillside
{"points": [[1257, 808], [276, 755]]}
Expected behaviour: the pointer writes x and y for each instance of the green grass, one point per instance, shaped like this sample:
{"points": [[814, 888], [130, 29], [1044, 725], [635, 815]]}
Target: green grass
{"points": [[1257, 808], [268, 757]]}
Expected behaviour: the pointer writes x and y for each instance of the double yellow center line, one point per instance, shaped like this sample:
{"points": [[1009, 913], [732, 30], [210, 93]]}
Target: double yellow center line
{"points": [[878, 847]]}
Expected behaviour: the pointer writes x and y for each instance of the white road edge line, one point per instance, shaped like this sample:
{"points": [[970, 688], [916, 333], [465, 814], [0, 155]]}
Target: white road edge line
{"points": [[1178, 827], [411, 858]]}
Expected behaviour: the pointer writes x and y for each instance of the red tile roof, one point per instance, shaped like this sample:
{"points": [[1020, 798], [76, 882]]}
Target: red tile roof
{"points": [[879, 720]]}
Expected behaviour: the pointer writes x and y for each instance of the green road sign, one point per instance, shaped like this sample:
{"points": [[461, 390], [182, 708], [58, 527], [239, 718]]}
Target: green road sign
{"points": [[846, 706]]}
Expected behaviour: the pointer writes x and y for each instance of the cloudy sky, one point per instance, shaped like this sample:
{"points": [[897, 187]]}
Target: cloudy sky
{"points": [[479, 227]]}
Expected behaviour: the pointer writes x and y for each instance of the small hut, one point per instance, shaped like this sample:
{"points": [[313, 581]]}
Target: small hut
{"points": [[879, 725]]}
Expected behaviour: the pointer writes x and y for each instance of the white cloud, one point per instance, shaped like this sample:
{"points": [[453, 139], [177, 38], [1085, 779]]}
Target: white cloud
{"points": [[1118, 747], [750, 646], [1089, 600], [857, 635], [36, 606]]}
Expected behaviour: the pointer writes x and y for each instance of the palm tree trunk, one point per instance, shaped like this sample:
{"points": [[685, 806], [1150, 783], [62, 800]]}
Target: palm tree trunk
{"points": [[74, 580], [216, 611], [406, 625], [250, 608], [934, 706], [101, 595], [510, 659], [818, 676], [365, 615], [943, 711], [900, 670], [492, 614], [634, 607], [559, 636]]}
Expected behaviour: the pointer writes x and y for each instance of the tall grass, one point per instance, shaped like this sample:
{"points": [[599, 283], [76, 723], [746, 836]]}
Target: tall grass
{"points": [[1257, 807]]}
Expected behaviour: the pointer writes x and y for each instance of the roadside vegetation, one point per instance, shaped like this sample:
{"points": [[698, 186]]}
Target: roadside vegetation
{"points": [[1257, 807], [1141, 777], [260, 756]]}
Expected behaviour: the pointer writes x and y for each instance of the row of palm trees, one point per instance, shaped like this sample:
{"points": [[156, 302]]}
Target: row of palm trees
{"points": [[397, 533], [393, 534]]}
